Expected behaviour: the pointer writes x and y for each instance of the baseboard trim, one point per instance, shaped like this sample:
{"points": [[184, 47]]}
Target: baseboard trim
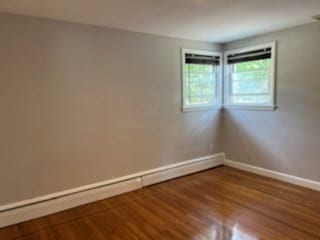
{"points": [[314, 185], [41, 206], [51, 206], [149, 179]]}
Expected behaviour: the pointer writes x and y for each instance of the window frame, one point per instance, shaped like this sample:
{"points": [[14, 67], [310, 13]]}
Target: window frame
{"points": [[228, 73], [219, 76]]}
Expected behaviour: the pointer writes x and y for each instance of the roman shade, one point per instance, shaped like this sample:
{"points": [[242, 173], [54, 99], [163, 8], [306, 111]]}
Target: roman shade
{"points": [[202, 59], [260, 54]]}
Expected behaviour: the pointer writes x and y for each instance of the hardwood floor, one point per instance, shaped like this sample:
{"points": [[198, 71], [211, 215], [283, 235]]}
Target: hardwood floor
{"points": [[218, 204]]}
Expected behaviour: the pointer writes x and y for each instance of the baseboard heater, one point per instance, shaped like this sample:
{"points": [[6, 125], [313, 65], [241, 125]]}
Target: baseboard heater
{"points": [[49, 204]]}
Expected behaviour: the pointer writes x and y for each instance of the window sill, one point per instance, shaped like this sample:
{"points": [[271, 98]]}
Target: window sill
{"points": [[251, 107], [202, 108]]}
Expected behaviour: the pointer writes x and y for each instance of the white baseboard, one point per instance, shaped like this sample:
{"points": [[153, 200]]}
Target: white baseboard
{"points": [[274, 174], [160, 176], [41, 206], [56, 202], [41, 209]]}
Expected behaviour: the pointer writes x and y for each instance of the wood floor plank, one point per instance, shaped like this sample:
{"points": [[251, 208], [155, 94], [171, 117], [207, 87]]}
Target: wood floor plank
{"points": [[221, 203], [9, 233], [273, 187], [39, 224]]}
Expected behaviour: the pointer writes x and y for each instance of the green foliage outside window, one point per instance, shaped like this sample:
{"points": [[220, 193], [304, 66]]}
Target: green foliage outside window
{"points": [[250, 81], [200, 84]]}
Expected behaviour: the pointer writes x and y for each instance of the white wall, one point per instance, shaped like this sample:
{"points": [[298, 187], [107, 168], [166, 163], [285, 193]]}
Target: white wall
{"points": [[82, 104], [286, 140]]}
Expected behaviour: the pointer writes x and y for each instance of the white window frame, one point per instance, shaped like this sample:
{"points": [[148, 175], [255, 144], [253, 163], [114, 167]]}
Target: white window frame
{"points": [[227, 79], [202, 107]]}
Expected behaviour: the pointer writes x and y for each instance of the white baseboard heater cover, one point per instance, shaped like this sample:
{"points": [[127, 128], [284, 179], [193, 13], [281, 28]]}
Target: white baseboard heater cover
{"points": [[33, 208]]}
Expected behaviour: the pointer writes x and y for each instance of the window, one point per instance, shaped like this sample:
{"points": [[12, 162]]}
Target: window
{"points": [[249, 77], [201, 79]]}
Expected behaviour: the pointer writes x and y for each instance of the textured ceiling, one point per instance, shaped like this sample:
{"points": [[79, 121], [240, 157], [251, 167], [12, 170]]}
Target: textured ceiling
{"points": [[207, 20]]}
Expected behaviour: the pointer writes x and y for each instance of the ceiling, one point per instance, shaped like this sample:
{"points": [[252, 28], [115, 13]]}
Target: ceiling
{"points": [[208, 20]]}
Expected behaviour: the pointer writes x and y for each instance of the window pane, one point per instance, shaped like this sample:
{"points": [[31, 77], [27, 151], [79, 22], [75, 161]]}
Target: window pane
{"points": [[251, 99], [252, 65], [200, 83], [254, 86], [200, 77], [253, 74], [200, 88], [200, 100], [198, 68], [250, 82]]}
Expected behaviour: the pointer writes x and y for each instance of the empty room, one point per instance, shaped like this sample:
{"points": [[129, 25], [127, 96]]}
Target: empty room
{"points": [[159, 120]]}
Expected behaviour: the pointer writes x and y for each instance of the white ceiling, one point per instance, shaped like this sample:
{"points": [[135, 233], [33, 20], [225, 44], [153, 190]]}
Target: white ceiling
{"points": [[208, 20]]}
